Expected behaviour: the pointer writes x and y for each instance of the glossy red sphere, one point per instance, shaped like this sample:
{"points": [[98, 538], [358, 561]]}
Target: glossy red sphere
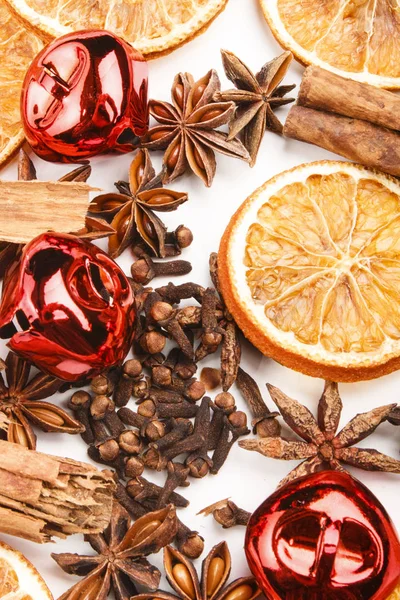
{"points": [[323, 537], [85, 94], [67, 307]]}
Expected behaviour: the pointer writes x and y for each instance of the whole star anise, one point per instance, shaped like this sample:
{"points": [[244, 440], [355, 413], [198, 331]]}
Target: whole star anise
{"points": [[121, 552], [215, 571], [187, 130], [20, 403], [132, 211], [322, 446], [255, 97]]}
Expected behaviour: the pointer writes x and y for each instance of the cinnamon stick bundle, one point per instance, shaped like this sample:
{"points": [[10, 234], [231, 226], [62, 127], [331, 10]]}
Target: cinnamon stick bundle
{"points": [[43, 496], [329, 92], [353, 119]]}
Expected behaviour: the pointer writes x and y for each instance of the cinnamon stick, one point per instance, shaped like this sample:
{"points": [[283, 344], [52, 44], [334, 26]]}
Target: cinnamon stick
{"points": [[354, 139], [329, 92], [43, 496], [29, 208]]}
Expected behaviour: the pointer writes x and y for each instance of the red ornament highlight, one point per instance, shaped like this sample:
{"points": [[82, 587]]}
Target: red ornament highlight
{"points": [[323, 537], [85, 94], [67, 307]]}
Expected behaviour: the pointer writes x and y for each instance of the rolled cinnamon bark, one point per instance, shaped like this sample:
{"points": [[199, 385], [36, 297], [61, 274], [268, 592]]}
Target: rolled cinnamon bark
{"points": [[42, 496], [328, 92], [357, 140]]}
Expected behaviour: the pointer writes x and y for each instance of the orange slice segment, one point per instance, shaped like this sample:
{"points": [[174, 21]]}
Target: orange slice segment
{"points": [[19, 579], [154, 27], [359, 39], [310, 269], [17, 49]]}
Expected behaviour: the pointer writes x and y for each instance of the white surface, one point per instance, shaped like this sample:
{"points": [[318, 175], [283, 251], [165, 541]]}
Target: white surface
{"points": [[247, 477]]}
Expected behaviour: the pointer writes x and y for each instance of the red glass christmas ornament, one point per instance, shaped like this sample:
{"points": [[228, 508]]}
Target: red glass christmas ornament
{"points": [[67, 307], [85, 94], [323, 537]]}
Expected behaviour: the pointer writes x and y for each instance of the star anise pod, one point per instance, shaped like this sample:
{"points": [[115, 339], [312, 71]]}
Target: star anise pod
{"points": [[121, 550], [255, 96], [21, 403], [187, 130], [132, 211], [215, 571], [322, 447]]}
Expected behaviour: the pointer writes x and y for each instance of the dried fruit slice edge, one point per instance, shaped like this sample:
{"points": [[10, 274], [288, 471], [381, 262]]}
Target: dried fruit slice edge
{"points": [[342, 329], [19, 578]]}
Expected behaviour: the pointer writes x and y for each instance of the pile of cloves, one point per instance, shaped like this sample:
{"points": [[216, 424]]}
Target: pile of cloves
{"points": [[176, 428]]}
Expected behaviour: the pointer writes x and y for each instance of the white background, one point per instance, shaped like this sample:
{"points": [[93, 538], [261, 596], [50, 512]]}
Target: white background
{"points": [[247, 477]]}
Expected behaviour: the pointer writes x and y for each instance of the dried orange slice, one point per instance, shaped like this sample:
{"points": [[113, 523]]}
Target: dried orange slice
{"points": [[359, 39], [310, 269], [19, 579], [17, 48], [395, 595], [154, 27]]}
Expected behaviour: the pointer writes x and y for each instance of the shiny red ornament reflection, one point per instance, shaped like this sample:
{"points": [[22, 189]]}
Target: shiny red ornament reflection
{"points": [[323, 537], [67, 307], [85, 94]]}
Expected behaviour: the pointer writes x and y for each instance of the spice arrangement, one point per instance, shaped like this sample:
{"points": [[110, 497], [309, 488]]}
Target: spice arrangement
{"points": [[307, 270]]}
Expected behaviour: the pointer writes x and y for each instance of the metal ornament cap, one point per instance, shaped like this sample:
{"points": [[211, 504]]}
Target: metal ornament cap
{"points": [[67, 307], [323, 537], [84, 94]]}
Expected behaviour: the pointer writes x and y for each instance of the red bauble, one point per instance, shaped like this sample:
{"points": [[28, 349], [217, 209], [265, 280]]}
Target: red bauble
{"points": [[84, 94], [323, 537], [67, 307]]}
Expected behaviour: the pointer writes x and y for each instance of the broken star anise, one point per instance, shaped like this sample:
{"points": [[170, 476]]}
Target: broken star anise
{"points": [[216, 568], [132, 211], [187, 130], [255, 96], [20, 403], [322, 447], [121, 550]]}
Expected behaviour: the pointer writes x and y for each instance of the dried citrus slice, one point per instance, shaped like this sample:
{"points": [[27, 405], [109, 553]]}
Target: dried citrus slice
{"points": [[359, 39], [19, 579], [310, 269], [17, 48], [154, 27], [395, 595]]}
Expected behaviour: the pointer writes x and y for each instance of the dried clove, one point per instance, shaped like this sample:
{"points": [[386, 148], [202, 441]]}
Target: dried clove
{"points": [[175, 293], [227, 513], [79, 403], [145, 269], [199, 462], [264, 422], [224, 404], [235, 426], [132, 371]]}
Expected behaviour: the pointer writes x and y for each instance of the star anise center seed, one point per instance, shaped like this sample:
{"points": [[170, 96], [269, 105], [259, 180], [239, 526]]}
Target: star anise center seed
{"points": [[326, 451]]}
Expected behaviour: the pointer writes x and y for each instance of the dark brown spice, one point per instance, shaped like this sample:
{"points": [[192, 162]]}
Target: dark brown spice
{"points": [[215, 571], [256, 97], [264, 422], [321, 446], [132, 212], [145, 269], [121, 551], [227, 514], [187, 131], [235, 426]]}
